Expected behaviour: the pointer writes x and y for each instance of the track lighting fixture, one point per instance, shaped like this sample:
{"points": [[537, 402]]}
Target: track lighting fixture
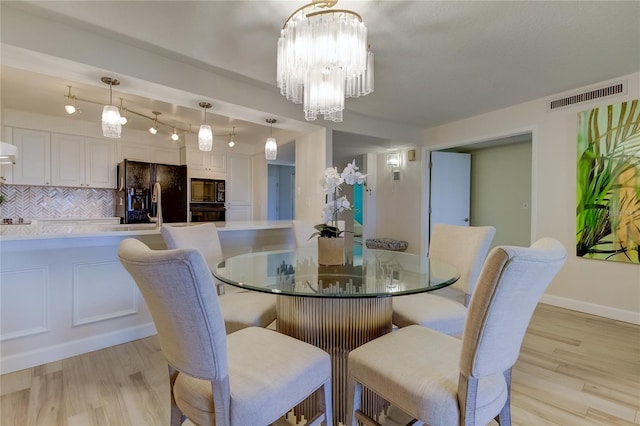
{"points": [[271, 146], [70, 106], [205, 135], [111, 126], [174, 136], [232, 136], [123, 111], [154, 128]]}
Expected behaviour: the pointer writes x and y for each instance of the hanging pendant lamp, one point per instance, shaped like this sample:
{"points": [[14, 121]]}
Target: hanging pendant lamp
{"points": [[111, 125], [205, 135], [271, 146]]}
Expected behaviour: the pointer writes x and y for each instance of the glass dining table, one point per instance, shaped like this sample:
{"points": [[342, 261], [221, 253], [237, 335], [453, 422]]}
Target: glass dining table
{"points": [[338, 307]]}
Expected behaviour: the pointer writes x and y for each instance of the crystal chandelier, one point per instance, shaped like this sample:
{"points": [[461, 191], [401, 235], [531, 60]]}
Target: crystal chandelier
{"points": [[111, 125], [271, 146], [323, 57], [205, 135]]}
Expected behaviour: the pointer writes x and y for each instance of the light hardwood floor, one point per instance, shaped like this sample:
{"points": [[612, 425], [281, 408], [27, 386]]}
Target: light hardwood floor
{"points": [[574, 369]]}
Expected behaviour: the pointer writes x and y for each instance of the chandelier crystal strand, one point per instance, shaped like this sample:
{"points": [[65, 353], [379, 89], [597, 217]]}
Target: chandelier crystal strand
{"points": [[323, 57]]}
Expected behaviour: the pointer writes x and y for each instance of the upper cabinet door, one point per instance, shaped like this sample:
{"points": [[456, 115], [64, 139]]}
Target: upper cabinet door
{"points": [[205, 164], [67, 160], [34, 157], [100, 164]]}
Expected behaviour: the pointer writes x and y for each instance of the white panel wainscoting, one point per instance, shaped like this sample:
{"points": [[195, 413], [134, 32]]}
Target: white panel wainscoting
{"points": [[23, 297], [102, 291], [67, 294]]}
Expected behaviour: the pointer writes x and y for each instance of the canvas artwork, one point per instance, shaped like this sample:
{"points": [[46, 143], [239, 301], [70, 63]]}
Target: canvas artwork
{"points": [[608, 183]]}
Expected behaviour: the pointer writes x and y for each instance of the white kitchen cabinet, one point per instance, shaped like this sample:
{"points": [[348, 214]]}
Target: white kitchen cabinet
{"points": [[133, 152], [100, 164], [33, 166], [77, 161], [6, 170], [67, 160], [165, 156], [205, 164], [239, 194], [6, 173]]}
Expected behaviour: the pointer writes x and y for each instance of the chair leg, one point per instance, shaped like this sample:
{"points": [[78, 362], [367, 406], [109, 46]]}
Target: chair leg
{"points": [[354, 400], [326, 403], [467, 397], [504, 417], [177, 417]]}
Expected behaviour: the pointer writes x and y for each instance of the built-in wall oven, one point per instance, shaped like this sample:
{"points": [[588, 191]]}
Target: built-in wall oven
{"points": [[207, 212]]}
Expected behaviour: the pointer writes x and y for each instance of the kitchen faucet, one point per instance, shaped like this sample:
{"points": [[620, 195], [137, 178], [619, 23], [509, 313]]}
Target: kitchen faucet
{"points": [[156, 197]]}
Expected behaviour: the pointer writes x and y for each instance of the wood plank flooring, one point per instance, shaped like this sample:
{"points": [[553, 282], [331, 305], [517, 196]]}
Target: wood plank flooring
{"points": [[574, 369]]}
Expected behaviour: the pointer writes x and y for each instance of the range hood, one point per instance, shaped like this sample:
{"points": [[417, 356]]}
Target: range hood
{"points": [[8, 153]]}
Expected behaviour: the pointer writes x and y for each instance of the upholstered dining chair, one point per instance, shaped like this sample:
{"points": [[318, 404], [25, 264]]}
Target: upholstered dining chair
{"points": [[250, 377], [441, 380], [240, 308], [466, 248]]}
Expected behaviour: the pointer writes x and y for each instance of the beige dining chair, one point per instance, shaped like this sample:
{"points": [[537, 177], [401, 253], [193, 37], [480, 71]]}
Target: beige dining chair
{"points": [[240, 308], [250, 377], [464, 247], [441, 380]]}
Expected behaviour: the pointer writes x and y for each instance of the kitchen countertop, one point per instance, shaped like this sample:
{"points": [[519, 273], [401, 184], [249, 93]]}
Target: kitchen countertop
{"points": [[49, 230]]}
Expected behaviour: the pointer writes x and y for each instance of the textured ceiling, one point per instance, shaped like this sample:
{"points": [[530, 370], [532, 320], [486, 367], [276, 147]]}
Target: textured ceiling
{"points": [[436, 61]]}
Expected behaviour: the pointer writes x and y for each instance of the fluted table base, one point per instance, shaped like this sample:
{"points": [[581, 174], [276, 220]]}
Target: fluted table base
{"points": [[337, 325]]}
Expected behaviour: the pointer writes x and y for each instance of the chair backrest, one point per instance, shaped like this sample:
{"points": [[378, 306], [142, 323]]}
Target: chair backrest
{"points": [[302, 230], [178, 289], [465, 247], [511, 283], [203, 237]]}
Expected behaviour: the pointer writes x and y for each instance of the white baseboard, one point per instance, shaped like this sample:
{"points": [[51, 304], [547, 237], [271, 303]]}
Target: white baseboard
{"points": [[593, 309], [57, 352]]}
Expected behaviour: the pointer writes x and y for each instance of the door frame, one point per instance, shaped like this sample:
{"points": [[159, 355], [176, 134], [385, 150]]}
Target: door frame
{"points": [[481, 141]]}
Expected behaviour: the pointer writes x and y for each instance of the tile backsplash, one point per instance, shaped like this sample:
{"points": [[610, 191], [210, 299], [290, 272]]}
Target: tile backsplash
{"points": [[46, 202]]}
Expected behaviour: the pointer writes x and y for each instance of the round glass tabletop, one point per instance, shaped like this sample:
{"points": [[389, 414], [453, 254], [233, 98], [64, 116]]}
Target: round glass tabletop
{"points": [[365, 273]]}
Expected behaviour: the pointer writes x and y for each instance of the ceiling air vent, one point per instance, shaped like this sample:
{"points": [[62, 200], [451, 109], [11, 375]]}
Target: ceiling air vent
{"points": [[591, 95]]}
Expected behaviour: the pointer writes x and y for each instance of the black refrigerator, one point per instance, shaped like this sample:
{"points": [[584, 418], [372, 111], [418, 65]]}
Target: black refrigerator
{"points": [[133, 197]]}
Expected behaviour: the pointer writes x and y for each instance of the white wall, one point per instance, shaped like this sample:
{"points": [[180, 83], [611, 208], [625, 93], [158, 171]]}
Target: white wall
{"points": [[609, 289], [313, 151], [400, 203]]}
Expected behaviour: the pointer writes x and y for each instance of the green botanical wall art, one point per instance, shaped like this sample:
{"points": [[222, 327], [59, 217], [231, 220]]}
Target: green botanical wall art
{"points": [[608, 183]]}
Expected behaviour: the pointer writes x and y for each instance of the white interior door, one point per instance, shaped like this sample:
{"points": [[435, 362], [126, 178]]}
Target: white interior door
{"points": [[450, 189]]}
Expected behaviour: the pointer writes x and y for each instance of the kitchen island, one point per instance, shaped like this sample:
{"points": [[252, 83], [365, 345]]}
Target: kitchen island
{"points": [[63, 291]]}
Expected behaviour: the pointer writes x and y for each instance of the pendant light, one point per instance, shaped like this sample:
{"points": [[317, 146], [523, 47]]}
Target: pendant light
{"points": [[271, 146], [205, 135], [111, 126], [154, 129]]}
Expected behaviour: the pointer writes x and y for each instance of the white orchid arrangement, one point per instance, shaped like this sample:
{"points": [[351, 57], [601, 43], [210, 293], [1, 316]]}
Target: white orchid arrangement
{"points": [[336, 203]]}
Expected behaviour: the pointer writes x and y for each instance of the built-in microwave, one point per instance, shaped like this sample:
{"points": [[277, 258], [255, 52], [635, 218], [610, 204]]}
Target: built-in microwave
{"points": [[207, 190]]}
